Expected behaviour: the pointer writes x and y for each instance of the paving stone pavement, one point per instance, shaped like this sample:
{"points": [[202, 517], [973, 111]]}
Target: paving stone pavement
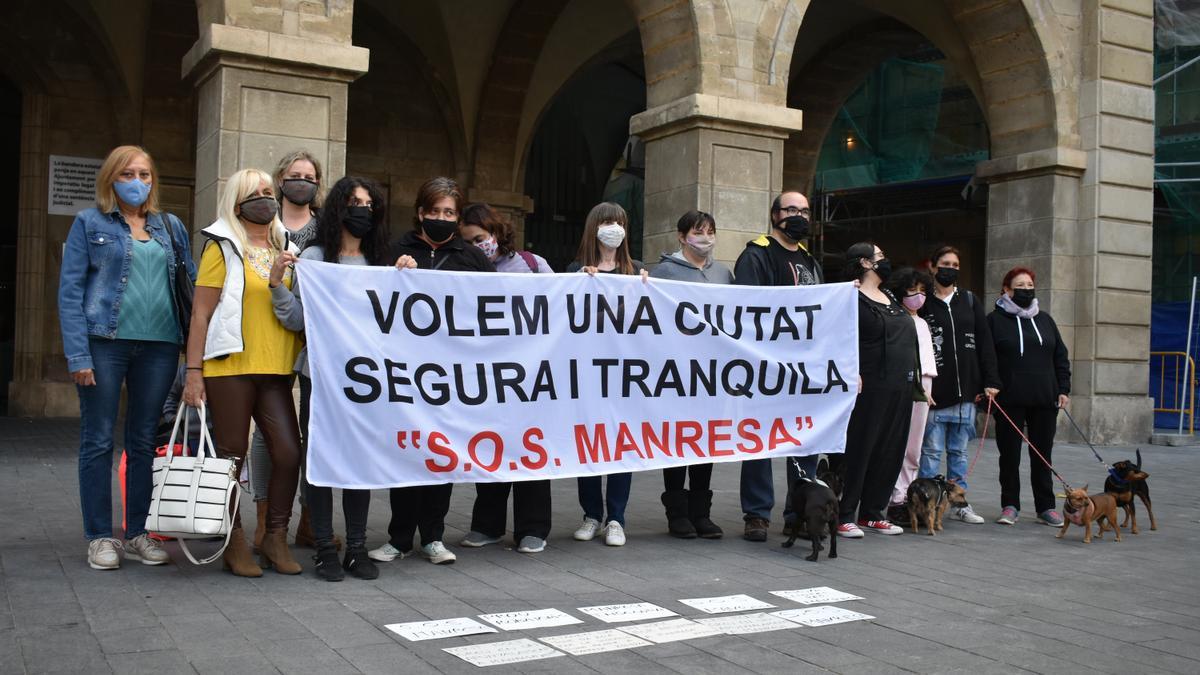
{"points": [[975, 598]]}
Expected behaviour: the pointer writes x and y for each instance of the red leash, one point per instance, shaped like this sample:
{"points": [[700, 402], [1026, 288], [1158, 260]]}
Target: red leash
{"points": [[982, 437], [1034, 448]]}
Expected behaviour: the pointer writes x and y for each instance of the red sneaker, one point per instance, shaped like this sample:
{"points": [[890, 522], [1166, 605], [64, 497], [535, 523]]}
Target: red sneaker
{"points": [[850, 531], [880, 526]]}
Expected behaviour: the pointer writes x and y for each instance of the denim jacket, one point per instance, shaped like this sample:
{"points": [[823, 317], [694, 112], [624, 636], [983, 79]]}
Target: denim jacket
{"points": [[95, 269]]}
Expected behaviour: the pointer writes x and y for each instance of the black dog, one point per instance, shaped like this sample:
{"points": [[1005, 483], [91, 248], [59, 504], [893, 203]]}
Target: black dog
{"points": [[1126, 480], [816, 507]]}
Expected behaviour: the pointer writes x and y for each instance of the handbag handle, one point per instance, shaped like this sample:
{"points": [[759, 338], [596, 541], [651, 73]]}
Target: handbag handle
{"points": [[206, 442], [237, 495], [207, 446]]}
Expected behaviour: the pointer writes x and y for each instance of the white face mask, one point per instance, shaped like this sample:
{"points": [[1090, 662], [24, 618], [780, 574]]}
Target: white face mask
{"points": [[610, 234], [701, 244]]}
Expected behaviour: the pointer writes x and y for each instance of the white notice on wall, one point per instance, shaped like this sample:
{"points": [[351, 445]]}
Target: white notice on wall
{"points": [[634, 611], [537, 618], [821, 616], [815, 596], [72, 184], [747, 623], [500, 653], [442, 628], [597, 641], [671, 631], [726, 603]]}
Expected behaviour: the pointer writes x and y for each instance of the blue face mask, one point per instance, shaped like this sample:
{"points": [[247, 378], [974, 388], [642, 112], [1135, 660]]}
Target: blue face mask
{"points": [[133, 193]]}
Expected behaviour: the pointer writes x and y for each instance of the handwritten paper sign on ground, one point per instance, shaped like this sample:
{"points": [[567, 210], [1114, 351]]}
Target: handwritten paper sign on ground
{"points": [[442, 628], [821, 616], [500, 653], [671, 631], [726, 603], [596, 641], [634, 611], [816, 596], [537, 618], [747, 623]]}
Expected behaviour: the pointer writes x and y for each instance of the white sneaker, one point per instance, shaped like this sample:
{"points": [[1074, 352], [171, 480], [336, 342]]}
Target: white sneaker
{"points": [[387, 553], [531, 544], [967, 515], [478, 540], [614, 534], [147, 550], [104, 554], [588, 530], [437, 553]]}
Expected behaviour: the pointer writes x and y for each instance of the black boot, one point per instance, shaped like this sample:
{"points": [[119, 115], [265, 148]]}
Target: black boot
{"points": [[358, 564], [678, 523], [326, 564], [699, 504]]}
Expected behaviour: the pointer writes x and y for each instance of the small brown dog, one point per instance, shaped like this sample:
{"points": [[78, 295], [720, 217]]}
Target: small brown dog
{"points": [[1083, 509], [928, 499]]}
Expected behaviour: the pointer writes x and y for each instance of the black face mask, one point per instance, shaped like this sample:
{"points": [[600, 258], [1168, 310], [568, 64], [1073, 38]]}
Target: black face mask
{"points": [[883, 269], [299, 191], [358, 221], [1023, 297], [259, 210], [946, 276], [438, 231], [794, 227]]}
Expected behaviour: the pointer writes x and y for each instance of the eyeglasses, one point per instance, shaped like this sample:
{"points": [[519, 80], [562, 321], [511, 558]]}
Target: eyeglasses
{"points": [[797, 211]]}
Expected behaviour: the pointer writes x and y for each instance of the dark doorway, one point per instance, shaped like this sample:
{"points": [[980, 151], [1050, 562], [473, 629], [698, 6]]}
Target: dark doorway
{"points": [[10, 183]]}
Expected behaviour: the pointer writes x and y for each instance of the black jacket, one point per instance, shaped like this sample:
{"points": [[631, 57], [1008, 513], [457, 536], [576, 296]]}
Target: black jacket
{"points": [[962, 348], [1034, 366], [765, 262], [454, 256]]}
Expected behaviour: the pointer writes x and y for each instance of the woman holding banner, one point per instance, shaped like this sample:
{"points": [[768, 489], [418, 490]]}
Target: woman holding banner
{"points": [[688, 510], [435, 245], [482, 227], [351, 230], [878, 428], [239, 352], [604, 249]]}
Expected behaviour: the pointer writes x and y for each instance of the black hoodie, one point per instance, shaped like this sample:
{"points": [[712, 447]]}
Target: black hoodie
{"points": [[1034, 366], [962, 348], [453, 256]]}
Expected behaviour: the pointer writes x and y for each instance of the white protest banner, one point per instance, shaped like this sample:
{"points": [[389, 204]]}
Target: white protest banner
{"points": [[826, 615], [441, 628], [536, 618], [742, 624], [423, 377], [726, 603], [672, 630], [816, 596], [633, 611], [500, 653], [597, 641]]}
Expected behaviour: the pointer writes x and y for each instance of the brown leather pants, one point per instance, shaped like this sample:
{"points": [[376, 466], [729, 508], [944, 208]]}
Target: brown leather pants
{"points": [[232, 401]]}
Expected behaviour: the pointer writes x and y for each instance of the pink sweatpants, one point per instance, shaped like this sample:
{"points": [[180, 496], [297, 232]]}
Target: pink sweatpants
{"points": [[912, 453]]}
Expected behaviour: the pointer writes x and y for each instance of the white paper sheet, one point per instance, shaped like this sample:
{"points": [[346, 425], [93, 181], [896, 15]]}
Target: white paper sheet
{"points": [[635, 611], [500, 653], [747, 623], [442, 628], [727, 603], [537, 618], [671, 631], [596, 641], [821, 616], [815, 596]]}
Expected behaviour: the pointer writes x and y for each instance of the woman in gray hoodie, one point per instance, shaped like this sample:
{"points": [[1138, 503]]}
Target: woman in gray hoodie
{"points": [[688, 510]]}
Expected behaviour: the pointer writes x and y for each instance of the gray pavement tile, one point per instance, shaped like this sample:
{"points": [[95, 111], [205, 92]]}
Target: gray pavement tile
{"points": [[50, 614], [338, 627], [385, 658], [305, 656], [1189, 649], [126, 640], [1016, 655], [61, 649], [150, 663], [240, 664]]}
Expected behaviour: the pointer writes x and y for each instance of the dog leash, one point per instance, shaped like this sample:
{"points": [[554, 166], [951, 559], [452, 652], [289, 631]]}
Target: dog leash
{"points": [[1034, 448], [982, 437], [1111, 472]]}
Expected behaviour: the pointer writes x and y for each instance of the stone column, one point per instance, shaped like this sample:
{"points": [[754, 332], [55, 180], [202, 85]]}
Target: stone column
{"points": [[716, 154], [271, 76]]}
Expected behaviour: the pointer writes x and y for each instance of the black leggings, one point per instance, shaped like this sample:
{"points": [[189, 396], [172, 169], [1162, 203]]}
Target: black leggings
{"points": [[701, 475], [1039, 423], [875, 442], [423, 508], [356, 504], [531, 509]]}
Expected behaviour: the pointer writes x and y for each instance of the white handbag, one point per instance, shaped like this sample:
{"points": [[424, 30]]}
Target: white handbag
{"points": [[190, 497]]}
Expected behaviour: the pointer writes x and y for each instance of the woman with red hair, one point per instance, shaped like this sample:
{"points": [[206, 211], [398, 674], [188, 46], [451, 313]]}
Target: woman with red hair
{"points": [[1035, 376]]}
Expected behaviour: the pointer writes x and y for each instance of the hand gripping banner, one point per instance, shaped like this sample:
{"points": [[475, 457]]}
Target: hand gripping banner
{"points": [[423, 377]]}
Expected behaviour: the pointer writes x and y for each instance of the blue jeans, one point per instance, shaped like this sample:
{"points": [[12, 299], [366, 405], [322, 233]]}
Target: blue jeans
{"points": [[596, 503], [147, 370], [948, 430], [758, 486]]}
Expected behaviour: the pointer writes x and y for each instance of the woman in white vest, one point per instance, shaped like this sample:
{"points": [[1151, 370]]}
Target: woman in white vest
{"points": [[239, 352]]}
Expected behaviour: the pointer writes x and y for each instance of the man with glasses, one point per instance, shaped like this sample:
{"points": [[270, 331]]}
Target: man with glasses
{"points": [[778, 258]]}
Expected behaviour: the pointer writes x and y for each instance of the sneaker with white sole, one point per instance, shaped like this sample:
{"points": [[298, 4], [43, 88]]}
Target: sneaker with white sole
{"points": [[880, 526], [1009, 516], [387, 553], [437, 553], [967, 515], [614, 534], [531, 544], [478, 540], [105, 553], [147, 550], [1050, 517], [849, 531], [588, 530]]}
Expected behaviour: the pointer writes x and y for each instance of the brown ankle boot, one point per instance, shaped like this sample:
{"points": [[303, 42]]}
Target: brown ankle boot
{"points": [[238, 558], [275, 553], [260, 530], [304, 531]]}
